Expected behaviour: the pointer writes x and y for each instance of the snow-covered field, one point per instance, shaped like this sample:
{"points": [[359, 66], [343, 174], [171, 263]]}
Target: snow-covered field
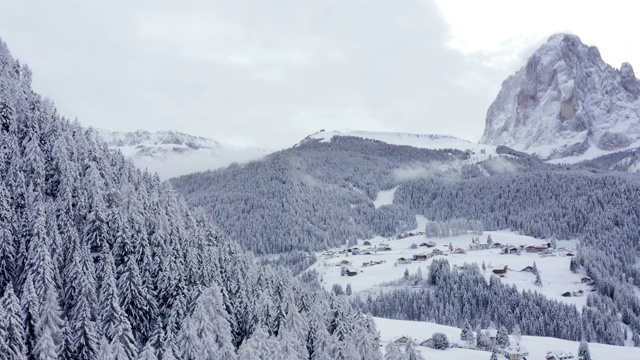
{"points": [[536, 346], [554, 270], [385, 197]]}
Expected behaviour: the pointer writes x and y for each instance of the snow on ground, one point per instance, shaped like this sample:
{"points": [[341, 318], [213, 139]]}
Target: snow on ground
{"points": [[554, 270], [536, 346], [385, 197]]}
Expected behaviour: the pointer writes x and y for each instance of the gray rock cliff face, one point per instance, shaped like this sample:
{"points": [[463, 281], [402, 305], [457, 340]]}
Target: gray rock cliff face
{"points": [[565, 102]]}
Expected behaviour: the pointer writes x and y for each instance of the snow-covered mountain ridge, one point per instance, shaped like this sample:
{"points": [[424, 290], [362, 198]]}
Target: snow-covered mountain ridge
{"points": [[171, 153], [156, 143], [420, 141], [566, 102]]}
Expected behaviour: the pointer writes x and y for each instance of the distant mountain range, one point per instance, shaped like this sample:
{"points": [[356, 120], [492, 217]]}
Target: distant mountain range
{"points": [[171, 153]]}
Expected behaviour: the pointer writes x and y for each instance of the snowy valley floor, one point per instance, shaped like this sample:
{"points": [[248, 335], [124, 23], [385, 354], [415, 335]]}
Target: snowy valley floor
{"points": [[554, 271]]}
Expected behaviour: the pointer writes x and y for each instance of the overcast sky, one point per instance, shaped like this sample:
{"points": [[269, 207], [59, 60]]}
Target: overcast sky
{"points": [[268, 73]]}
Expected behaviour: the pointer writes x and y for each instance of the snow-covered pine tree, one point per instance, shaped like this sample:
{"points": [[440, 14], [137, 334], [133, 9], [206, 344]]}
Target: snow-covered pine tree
{"points": [[502, 337], [12, 325], [494, 355], [538, 281], [583, 350], [410, 352], [31, 310], [392, 352], [50, 327], [516, 333], [148, 353], [112, 320], [366, 339], [467, 332]]}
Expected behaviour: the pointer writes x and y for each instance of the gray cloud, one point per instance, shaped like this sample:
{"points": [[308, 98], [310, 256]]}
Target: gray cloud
{"points": [[500, 165], [437, 169], [265, 73]]}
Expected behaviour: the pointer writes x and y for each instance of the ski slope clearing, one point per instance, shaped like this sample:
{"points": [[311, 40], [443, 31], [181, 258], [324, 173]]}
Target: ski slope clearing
{"points": [[385, 197], [384, 267], [536, 346]]}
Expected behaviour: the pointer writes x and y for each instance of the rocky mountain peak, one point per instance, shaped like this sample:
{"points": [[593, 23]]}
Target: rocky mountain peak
{"points": [[565, 101]]}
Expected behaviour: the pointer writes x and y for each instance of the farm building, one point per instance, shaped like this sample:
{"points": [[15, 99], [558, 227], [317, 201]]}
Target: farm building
{"points": [[515, 352]]}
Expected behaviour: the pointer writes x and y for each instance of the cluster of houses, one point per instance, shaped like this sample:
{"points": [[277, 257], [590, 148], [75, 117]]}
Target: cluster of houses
{"points": [[513, 352], [357, 251], [373, 262], [585, 280], [544, 249], [419, 257]]}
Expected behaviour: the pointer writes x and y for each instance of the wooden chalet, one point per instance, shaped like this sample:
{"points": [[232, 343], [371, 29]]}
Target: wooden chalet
{"points": [[586, 280], [420, 257], [476, 246], [404, 260], [536, 249], [515, 352], [527, 269], [510, 250], [500, 271], [403, 340]]}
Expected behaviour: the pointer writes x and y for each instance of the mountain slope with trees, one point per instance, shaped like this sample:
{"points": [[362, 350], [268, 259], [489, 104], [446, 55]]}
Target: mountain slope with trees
{"points": [[99, 260]]}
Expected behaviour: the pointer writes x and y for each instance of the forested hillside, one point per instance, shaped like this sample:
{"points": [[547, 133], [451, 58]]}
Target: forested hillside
{"points": [[318, 195], [311, 196], [99, 260], [602, 210]]}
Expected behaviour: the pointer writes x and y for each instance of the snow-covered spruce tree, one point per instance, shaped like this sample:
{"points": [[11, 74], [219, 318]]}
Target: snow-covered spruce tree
{"points": [[516, 333], [31, 311], [148, 353], [392, 352], [538, 281], [410, 352], [502, 337], [12, 325], [467, 332], [494, 355], [484, 340], [583, 350], [366, 339], [50, 328]]}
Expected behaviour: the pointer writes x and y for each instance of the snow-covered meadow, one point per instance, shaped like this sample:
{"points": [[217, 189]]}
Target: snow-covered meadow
{"points": [[554, 270], [535, 345]]}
